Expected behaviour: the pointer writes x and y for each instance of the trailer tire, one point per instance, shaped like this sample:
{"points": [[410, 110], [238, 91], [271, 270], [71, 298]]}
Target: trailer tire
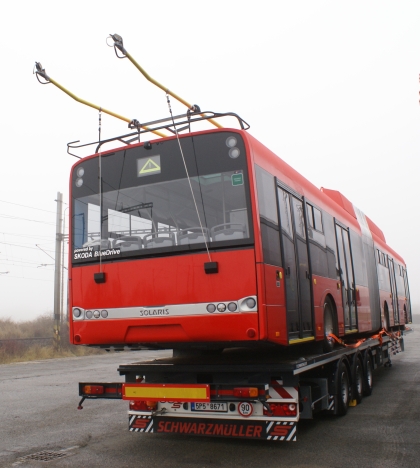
{"points": [[368, 375], [343, 389], [329, 325], [358, 380]]}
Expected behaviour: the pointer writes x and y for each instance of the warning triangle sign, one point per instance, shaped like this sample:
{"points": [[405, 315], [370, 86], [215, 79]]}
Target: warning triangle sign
{"points": [[150, 166]]}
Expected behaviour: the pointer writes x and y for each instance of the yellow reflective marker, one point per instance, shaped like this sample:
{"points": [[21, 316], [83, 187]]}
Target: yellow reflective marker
{"points": [[301, 340], [166, 392]]}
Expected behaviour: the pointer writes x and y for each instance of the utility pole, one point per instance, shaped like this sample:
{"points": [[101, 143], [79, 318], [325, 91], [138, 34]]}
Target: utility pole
{"points": [[64, 238], [57, 272]]}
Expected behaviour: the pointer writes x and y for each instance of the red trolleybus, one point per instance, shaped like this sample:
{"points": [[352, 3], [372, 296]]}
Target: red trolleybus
{"points": [[210, 240]]}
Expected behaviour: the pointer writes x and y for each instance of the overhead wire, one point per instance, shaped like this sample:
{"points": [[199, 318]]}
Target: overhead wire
{"points": [[23, 246], [18, 261], [26, 219], [27, 266], [26, 278], [26, 206], [23, 235]]}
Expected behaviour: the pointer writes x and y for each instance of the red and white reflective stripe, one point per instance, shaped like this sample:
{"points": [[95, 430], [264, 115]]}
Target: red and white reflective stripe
{"points": [[278, 392], [281, 431], [140, 423]]}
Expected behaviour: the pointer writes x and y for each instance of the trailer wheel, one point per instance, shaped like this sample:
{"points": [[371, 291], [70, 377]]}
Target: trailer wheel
{"points": [[343, 389], [358, 378], [329, 326], [368, 375]]}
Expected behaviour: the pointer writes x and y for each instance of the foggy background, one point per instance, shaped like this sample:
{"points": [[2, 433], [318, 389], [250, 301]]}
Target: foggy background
{"points": [[331, 87]]}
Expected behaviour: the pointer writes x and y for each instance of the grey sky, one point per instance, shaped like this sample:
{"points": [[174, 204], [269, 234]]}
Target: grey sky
{"points": [[331, 87]]}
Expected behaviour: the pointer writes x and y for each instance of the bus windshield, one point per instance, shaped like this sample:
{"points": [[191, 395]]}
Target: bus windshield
{"points": [[139, 201]]}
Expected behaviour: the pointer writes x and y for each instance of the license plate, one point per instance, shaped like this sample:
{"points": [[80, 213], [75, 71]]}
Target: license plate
{"points": [[211, 407]]}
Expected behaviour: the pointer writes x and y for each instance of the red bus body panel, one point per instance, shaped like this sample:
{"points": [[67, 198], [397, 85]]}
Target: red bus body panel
{"points": [[166, 281], [181, 279]]}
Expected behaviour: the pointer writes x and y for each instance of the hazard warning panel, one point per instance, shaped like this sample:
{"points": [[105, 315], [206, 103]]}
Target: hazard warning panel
{"points": [[148, 166]]}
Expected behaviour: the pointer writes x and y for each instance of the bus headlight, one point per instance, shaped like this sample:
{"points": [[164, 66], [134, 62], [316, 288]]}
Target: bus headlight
{"points": [[250, 302]]}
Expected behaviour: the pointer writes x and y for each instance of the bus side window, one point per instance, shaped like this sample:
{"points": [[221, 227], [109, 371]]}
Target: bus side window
{"points": [[317, 243], [331, 244], [310, 211], [359, 261], [318, 219], [269, 223], [314, 217]]}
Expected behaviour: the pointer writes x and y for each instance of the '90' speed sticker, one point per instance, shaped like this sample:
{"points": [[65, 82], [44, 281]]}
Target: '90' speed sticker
{"points": [[245, 409]]}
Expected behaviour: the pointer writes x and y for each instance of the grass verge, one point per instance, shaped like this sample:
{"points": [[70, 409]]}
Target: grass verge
{"points": [[33, 340]]}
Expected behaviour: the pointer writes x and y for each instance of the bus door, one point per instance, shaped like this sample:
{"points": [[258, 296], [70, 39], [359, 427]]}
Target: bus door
{"points": [[409, 318], [296, 265], [393, 290], [346, 272]]}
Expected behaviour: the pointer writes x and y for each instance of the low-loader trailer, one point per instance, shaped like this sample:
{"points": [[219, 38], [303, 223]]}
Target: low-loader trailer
{"points": [[256, 394]]}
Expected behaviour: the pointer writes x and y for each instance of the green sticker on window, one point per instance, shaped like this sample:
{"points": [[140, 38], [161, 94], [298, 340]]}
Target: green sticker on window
{"points": [[238, 179]]}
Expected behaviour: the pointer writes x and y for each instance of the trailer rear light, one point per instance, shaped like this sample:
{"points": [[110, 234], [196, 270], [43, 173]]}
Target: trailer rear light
{"points": [[89, 314], [96, 314], [245, 392], [77, 313], [232, 306], [221, 307], [142, 405], [104, 313], [281, 409], [137, 406], [93, 389], [211, 308], [290, 409]]}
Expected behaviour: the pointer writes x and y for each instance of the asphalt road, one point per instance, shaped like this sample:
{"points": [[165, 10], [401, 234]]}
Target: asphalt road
{"points": [[38, 412]]}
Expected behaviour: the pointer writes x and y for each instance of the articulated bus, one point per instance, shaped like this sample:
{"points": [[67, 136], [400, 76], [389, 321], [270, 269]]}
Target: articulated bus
{"points": [[209, 240]]}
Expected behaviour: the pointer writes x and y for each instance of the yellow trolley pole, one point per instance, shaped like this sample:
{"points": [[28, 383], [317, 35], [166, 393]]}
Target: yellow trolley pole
{"points": [[118, 44], [41, 72]]}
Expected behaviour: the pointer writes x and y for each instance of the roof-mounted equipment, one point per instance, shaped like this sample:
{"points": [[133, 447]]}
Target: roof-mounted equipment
{"points": [[119, 46], [40, 72]]}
